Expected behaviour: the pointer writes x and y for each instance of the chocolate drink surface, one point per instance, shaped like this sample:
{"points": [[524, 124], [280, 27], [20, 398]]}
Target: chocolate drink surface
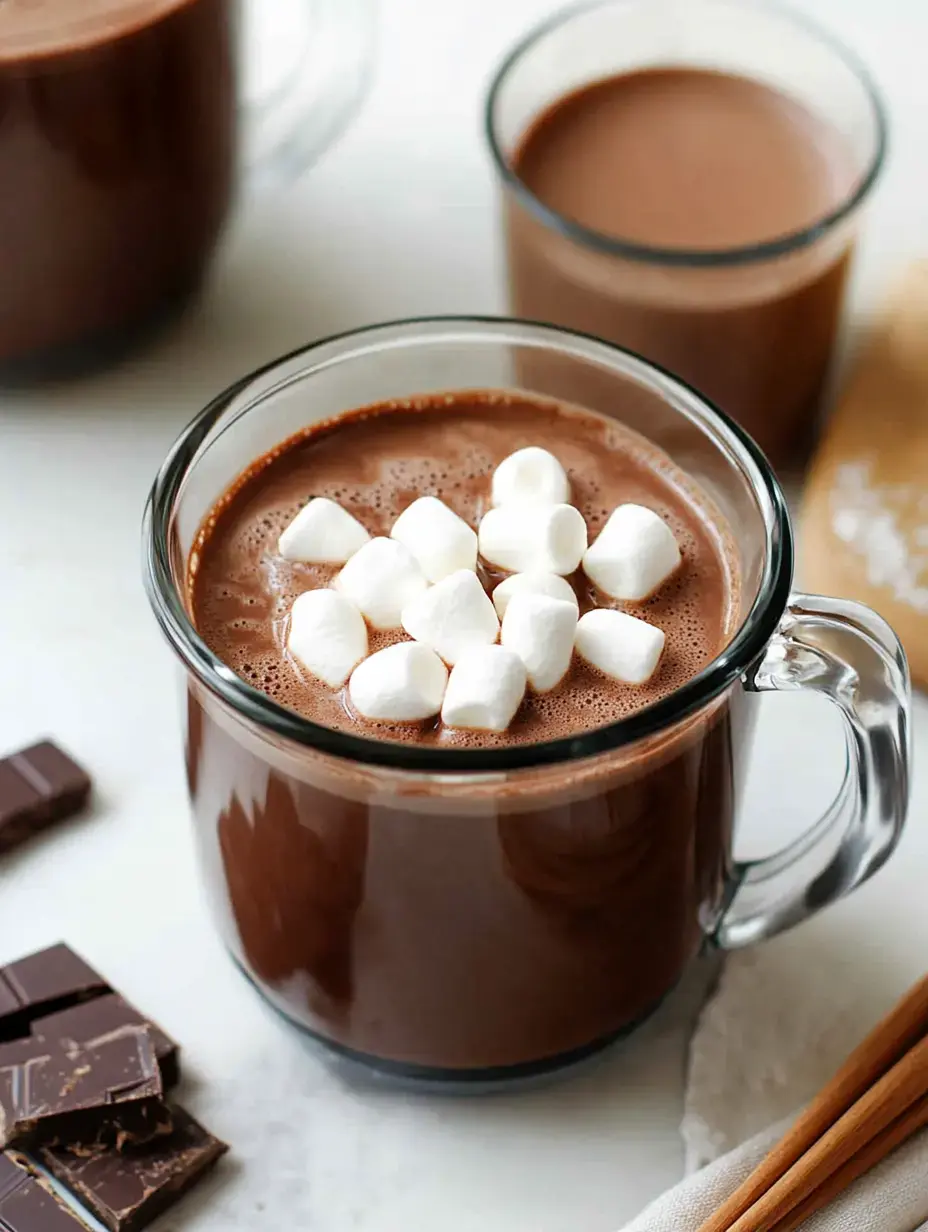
{"points": [[566, 907], [117, 128], [691, 161]]}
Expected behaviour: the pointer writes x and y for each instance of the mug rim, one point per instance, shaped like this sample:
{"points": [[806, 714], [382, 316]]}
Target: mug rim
{"points": [[745, 647], [745, 254]]}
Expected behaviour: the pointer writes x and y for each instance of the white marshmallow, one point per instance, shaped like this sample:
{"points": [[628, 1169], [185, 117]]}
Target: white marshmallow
{"points": [[533, 538], [452, 616], [485, 689], [403, 684], [541, 632], [635, 552], [439, 540], [530, 474], [322, 533], [327, 635], [534, 584], [622, 646], [381, 579]]}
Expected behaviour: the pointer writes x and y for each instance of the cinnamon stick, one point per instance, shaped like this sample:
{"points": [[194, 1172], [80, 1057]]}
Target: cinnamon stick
{"points": [[887, 1100], [906, 1024], [903, 1128]]}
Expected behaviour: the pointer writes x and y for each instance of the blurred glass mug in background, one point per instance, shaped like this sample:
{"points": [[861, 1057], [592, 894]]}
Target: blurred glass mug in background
{"points": [[122, 130], [700, 205]]}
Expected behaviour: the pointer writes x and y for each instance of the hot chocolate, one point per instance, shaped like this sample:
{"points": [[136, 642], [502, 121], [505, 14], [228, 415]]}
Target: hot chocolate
{"points": [[117, 150], [566, 903], [374, 464], [684, 167]]}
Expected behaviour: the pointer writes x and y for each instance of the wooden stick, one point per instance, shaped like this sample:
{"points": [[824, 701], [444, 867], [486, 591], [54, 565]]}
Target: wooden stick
{"points": [[875, 1152], [882, 1048], [887, 1100]]}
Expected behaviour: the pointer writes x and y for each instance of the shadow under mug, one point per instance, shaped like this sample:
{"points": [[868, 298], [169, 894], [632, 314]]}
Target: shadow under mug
{"points": [[477, 914], [752, 327], [122, 135]]}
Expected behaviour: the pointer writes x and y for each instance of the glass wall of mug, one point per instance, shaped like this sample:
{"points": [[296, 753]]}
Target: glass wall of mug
{"points": [[481, 913]]}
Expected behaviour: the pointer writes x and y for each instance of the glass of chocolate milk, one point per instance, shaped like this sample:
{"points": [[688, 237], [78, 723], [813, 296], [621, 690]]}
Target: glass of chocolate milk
{"points": [[125, 126], [469, 905], [685, 178]]}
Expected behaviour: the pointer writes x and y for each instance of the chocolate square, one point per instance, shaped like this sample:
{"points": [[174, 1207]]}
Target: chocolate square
{"points": [[39, 786], [83, 1024], [127, 1189], [43, 983], [109, 1093], [27, 1205]]}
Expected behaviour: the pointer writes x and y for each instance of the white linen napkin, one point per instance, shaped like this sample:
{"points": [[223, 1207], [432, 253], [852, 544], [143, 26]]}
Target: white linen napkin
{"points": [[760, 1050]]}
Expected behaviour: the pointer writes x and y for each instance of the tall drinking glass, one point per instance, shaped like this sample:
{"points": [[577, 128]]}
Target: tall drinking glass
{"points": [[752, 326]]}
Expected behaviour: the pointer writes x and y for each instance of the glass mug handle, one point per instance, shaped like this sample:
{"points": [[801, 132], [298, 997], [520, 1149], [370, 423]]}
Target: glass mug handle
{"points": [[847, 653], [304, 67]]}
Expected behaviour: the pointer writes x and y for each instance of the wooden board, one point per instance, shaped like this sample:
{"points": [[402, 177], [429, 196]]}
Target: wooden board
{"points": [[863, 526]]}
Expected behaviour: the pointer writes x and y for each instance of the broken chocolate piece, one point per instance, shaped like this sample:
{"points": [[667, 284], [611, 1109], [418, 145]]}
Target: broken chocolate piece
{"points": [[107, 1093], [43, 983], [38, 787], [56, 995], [26, 1205], [83, 1025], [127, 1189], [80, 1082]]}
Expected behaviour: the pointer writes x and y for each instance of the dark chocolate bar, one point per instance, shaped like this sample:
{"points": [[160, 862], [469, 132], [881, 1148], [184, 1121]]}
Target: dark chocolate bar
{"points": [[83, 1025], [108, 1093], [43, 983], [38, 787], [56, 995], [26, 1205], [127, 1189]]}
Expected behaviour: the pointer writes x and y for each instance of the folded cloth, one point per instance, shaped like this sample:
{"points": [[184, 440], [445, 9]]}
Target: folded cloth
{"points": [[773, 1033], [892, 1197]]}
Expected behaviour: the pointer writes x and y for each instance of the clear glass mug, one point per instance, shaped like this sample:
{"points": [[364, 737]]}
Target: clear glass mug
{"points": [[124, 129], [753, 328], [467, 915]]}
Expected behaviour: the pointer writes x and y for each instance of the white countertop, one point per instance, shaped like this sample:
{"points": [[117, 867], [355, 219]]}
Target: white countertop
{"points": [[397, 220]]}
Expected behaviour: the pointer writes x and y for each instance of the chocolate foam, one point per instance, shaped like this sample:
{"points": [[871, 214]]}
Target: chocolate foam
{"points": [[375, 462]]}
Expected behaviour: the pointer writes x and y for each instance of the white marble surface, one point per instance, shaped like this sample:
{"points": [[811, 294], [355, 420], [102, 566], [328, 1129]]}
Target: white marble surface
{"points": [[399, 219]]}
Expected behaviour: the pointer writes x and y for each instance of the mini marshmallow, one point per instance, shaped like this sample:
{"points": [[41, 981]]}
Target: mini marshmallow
{"points": [[452, 616], [485, 689], [622, 646], [381, 579], [535, 584], [440, 541], [533, 538], [530, 474], [403, 684], [322, 533], [634, 554], [327, 635], [541, 632]]}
